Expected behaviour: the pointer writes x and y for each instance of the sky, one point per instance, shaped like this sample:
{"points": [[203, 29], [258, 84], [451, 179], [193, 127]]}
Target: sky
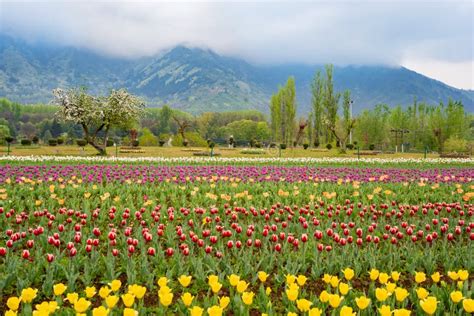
{"points": [[435, 38]]}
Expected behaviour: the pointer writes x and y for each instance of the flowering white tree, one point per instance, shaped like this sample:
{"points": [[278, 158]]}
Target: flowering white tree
{"points": [[98, 114]]}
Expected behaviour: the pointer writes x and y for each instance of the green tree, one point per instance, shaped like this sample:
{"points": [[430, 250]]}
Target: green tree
{"points": [[317, 98], [283, 112]]}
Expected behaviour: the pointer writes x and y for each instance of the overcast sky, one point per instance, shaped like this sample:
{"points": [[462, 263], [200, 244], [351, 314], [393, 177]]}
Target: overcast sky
{"points": [[432, 37]]}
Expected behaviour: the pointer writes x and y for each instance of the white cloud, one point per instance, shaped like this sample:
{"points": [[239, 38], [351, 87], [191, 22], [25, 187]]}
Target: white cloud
{"points": [[432, 33]]}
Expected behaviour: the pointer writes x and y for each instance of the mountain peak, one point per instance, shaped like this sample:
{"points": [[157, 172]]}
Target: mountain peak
{"points": [[198, 79]]}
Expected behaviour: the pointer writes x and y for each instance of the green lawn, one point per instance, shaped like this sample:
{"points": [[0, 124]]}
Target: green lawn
{"points": [[65, 150]]}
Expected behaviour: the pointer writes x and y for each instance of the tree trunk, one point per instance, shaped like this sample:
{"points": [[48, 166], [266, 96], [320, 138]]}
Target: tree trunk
{"points": [[106, 132], [91, 140]]}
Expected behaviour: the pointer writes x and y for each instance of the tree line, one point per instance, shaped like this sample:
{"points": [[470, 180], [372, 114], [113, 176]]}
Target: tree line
{"points": [[122, 118]]}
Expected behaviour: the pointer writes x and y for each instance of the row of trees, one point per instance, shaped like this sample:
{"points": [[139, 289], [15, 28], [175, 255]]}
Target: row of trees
{"points": [[419, 126]]}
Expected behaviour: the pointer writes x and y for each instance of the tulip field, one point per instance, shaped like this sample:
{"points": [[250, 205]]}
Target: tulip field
{"points": [[243, 237]]}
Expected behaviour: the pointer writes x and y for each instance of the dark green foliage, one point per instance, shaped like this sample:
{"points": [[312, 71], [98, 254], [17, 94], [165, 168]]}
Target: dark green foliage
{"points": [[25, 142], [53, 142]]}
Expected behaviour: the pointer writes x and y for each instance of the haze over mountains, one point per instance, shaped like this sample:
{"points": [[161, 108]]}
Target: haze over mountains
{"points": [[198, 80]]}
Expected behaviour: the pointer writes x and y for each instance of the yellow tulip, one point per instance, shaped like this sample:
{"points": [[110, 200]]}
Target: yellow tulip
{"points": [[13, 303], [185, 280], [81, 305], [327, 278], [234, 279], [334, 281], [344, 288], [315, 312], [348, 273], [395, 276], [381, 294], [460, 284], [111, 301], [463, 275], [72, 297], [224, 301], [215, 310], [324, 296], [436, 277], [422, 293], [10, 313], [420, 277], [290, 279], [456, 296], [212, 279], [301, 280], [453, 275], [268, 290], [401, 294], [247, 297], [242, 286], [216, 287], [90, 291], [385, 310], [390, 287], [346, 311], [262, 276], [137, 290], [59, 289], [130, 312], [383, 278], [468, 305], [334, 300], [362, 302], [115, 285], [303, 305], [292, 292], [28, 295], [164, 290], [401, 312], [291, 314], [128, 299], [165, 299], [374, 274], [429, 305], [104, 291], [196, 311], [187, 298], [100, 311], [163, 281]]}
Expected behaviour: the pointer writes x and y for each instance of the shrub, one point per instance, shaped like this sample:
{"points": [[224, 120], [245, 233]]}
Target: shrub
{"points": [[25, 142], [329, 146], [161, 143], [35, 140], [9, 139], [305, 145], [81, 142], [53, 142], [316, 143], [135, 143], [60, 141], [192, 139], [350, 146], [211, 144], [371, 146], [455, 144], [110, 143], [148, 138], [282, 146], [258, 145]]}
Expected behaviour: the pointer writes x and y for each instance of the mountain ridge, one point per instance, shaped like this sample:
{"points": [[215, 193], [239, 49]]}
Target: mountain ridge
{"points": [[199, 80]]}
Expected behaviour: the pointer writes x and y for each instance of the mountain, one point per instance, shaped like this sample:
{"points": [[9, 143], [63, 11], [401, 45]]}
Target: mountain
{"points": [[198, 80]]}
